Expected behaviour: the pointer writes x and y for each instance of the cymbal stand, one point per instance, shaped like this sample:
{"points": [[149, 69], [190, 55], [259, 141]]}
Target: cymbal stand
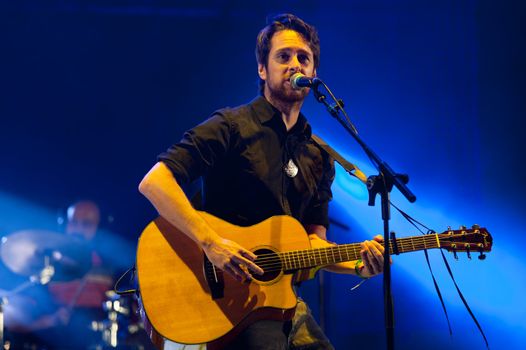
{"points": [[43, 277]]}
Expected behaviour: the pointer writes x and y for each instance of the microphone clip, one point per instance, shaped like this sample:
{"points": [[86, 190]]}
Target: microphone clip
{"points": [[336, 107], [332, 108]]}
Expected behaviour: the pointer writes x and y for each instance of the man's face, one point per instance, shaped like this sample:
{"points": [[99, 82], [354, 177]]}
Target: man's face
{"points": [[289, 54]]}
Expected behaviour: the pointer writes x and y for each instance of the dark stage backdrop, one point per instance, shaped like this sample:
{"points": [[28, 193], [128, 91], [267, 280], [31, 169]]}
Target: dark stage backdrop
{"points": [[92, 91]]}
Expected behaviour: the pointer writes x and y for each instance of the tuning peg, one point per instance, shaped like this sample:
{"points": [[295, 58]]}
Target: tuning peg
{"points": [[462, 227], [455, 255], [469, 254], [482, 256], [475, 226]]}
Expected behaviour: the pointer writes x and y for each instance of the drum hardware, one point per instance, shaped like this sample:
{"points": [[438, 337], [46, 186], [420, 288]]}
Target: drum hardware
{"points": [[41, 278], [41, 256], [118, 324]]}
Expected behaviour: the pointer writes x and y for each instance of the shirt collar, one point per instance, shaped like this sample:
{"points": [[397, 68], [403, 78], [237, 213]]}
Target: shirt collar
{"points": [[265, 112]]}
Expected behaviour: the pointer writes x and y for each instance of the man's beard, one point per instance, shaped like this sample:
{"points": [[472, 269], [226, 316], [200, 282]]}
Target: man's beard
{"points": [[287, 95]]}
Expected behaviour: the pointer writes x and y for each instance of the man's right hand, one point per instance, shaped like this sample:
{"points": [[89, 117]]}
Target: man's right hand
{"points": [[163, 191], [232, 258]]}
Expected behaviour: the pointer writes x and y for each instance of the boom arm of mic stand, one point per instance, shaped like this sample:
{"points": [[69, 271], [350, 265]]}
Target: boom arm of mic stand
{"points": [[398, 180]]}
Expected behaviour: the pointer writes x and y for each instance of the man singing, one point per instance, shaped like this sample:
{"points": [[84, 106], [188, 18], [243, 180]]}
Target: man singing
{"points": [[256, 161]]}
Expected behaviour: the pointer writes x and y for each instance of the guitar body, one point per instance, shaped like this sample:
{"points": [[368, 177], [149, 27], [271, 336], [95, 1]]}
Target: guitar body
{"points": [[184, 303]]}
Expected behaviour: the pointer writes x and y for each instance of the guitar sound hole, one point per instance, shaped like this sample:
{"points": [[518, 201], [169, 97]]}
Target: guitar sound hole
{"points": [[270, 262]]}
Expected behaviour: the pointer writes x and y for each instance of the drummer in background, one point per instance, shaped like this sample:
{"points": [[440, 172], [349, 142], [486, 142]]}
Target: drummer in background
{"points": [[77, 302], [83, 218]]}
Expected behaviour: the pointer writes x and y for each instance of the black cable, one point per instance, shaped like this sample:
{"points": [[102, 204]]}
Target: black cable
{"points": [[414, 222], [119, 280]]}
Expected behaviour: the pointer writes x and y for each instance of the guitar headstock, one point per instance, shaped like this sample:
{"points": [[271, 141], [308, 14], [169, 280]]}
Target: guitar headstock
{"points": [[469, 240]]}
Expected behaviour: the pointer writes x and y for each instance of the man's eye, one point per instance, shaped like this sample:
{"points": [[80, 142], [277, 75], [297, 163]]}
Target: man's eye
{"points": [[283, 57], [303, 59]]}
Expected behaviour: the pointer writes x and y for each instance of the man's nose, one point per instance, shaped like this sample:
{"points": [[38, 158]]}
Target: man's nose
{"points": [[295, 65]]}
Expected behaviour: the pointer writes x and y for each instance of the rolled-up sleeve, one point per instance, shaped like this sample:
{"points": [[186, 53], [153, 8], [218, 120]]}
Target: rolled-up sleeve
{"points": [[199, 149]]}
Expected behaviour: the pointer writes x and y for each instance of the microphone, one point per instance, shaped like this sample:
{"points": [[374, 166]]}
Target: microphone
{"points": [[300, 81]]}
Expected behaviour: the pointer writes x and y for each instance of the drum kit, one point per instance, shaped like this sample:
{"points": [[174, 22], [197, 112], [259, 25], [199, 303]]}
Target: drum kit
{"points": [[39, 257]]}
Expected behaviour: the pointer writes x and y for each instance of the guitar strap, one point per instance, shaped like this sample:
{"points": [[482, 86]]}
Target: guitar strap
{"points": [[348, 166]]}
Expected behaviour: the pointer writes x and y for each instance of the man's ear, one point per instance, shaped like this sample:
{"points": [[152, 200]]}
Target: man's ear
{"points": [[262, 71]]}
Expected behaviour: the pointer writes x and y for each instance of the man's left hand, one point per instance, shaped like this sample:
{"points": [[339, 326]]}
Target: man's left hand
{"points": [[372, 254]]}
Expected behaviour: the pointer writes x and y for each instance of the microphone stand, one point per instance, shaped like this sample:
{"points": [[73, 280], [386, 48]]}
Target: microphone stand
{"points": [[378, 184]]}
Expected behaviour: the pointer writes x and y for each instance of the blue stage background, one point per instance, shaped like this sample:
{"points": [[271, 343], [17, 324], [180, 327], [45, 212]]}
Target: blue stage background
{"points": [[92, 91]]}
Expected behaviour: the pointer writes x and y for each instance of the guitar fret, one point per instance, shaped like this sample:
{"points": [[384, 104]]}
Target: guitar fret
{"points": [[296, 259], [297, 256], [287, 264], [410, 245], [400, 245], [355, 252]]}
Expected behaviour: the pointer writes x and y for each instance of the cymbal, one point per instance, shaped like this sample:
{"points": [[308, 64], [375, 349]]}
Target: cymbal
{"points": [[24, 253]]}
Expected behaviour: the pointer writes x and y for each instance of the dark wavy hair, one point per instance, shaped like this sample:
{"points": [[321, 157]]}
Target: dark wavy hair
{"points": [[283, 22]]}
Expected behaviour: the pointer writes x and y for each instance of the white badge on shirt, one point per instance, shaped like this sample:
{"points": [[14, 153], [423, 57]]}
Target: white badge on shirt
{"points": [[290, 168]]}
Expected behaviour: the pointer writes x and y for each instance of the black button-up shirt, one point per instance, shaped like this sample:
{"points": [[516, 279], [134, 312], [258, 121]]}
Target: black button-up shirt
{"points": [[241, 152]]}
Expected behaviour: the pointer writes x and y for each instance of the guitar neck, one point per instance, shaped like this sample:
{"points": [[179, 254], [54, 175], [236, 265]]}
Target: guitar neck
{"points": [[309, 258]]}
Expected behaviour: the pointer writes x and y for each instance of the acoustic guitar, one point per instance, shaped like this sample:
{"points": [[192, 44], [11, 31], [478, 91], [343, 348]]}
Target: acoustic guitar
{"points": [[188, 300]]}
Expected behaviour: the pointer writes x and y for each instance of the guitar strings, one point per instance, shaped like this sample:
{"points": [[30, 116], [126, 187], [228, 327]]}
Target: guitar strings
{"points": [[309, 258], [402, 245], [297, 259]]}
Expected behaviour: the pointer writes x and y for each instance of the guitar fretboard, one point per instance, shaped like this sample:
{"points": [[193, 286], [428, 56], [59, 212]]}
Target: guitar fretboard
{"points": [[308, 258]]}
